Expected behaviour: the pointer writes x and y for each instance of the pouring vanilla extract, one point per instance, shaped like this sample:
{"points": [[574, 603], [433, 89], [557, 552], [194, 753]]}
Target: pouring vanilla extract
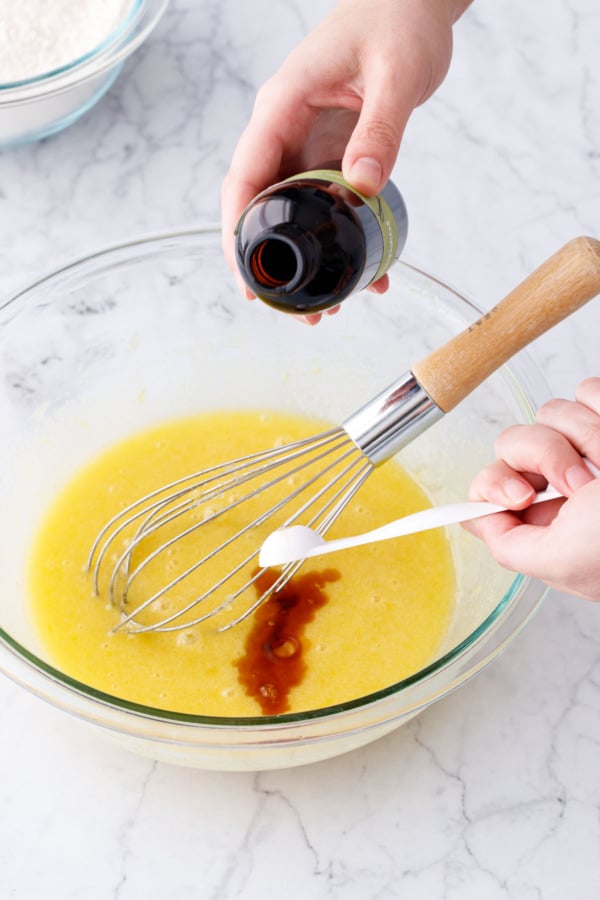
{"points": [[305, 244]]}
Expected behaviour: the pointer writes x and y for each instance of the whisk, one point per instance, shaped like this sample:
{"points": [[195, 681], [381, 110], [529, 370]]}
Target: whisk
{"points": [[238, 498]]}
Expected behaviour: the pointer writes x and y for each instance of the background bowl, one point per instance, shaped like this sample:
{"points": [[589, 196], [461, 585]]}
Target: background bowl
{"points": [[37, 107], [155, 329]]}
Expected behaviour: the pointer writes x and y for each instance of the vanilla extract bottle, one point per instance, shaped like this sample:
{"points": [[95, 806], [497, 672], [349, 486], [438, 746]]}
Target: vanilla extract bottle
{"points": [[306, 243]]}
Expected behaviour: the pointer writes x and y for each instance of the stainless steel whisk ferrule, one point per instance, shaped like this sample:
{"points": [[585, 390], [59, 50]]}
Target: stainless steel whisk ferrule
{"points": [[392, 419]]}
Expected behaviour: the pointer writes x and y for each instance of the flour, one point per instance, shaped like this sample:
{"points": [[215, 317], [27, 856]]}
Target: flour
{"points": [[39, 36]]}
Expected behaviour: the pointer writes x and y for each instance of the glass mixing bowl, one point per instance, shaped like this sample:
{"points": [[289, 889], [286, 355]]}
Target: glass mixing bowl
{"points": [[37, 107], [155, 329]]}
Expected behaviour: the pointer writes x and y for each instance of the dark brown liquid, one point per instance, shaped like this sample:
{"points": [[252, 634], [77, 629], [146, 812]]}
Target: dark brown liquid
{"points": [[306, 244], [303, 248], [273, 662]]}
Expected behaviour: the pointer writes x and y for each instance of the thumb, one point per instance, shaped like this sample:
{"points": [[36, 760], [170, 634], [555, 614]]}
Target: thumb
{"points": [[375, 141]]}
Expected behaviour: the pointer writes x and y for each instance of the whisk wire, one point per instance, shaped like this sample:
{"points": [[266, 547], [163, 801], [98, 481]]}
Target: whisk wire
{"points": [[254, 464], [333, 467], [152, 523], [350, 489], [290, 570]]}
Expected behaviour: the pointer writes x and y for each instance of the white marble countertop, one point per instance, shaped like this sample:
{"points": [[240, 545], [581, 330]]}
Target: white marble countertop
{"points": [[493, 793]]}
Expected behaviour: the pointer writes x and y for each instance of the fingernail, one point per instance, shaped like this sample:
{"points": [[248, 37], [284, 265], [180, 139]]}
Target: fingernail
{"points": [[365, 174], [516, 491], [577, 476]]}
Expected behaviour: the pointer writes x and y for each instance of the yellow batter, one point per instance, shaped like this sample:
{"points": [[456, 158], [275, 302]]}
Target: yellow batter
{"points": [[382, 613]]}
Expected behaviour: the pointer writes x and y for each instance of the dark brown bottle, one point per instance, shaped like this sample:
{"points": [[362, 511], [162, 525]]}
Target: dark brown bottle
{"points": [[307, 243]]}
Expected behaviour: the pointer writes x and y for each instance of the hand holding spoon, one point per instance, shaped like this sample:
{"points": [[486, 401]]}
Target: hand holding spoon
{"points": [[299, 542]]}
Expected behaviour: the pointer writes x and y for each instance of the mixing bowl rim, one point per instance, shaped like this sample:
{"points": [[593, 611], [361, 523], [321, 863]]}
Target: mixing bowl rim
{"points": [[126, 37], [485, 631], [211, 228], [481, 634]]}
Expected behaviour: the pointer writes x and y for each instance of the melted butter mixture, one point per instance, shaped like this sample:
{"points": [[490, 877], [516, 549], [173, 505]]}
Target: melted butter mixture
{"points": [[344, 627]]}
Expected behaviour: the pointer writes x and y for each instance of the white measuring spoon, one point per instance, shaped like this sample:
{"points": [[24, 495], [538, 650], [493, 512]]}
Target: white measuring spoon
{"points": [[298, 542]]}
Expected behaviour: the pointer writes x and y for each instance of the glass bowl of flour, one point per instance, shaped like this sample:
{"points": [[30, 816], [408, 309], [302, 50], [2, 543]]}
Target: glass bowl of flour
{"points": [[58, 59]]}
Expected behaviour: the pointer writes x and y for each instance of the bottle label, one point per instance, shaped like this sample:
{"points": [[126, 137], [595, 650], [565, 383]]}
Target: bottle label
{"points": [[378, 206]]}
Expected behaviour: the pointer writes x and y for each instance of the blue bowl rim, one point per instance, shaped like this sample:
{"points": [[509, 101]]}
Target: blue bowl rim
{"points": [[129, 33]]}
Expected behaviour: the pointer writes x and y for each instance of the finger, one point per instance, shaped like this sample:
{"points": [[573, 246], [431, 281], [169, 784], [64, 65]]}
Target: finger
{"points": [[542, 450], [374, 144], [499, 483], [242, 183], [380, 286], [314, 318], [279, 119], [519, 547], [577, 421], [561, 553], [310, 318], [490, 528], [371, 153], [540, 515], [588, 393]]}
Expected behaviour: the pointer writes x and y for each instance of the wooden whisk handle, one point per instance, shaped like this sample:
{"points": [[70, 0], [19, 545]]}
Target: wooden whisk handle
{"points": [[561, 285]]}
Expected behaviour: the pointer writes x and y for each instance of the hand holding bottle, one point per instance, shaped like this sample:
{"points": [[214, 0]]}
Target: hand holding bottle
{"points": [[558, 541], [346, 92], [307, 243]]}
